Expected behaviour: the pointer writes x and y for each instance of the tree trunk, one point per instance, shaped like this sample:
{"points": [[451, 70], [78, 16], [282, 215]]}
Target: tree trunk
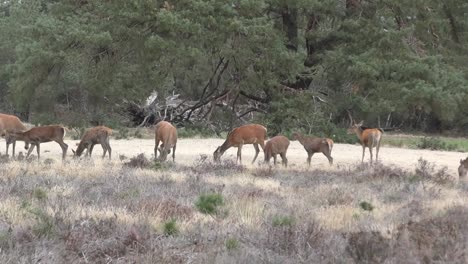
{"points": [[290, 23]]}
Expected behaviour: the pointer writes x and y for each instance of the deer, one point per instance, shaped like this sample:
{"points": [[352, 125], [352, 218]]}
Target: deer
{"points": [[314, 145], [368, 137], [463, 168], [247, 134], [10, 124], [37, 135], [277, 145], [93, 136], [166, 133]]}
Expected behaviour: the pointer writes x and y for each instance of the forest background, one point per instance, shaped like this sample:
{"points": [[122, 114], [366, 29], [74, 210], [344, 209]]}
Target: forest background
{"points": [[210, 65]]}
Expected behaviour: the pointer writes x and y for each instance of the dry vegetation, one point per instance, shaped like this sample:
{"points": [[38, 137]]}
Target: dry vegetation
{"points": [[99, 211]]}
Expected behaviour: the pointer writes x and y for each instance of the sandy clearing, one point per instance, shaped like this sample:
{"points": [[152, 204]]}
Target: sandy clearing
{"points": [[189, 150]]}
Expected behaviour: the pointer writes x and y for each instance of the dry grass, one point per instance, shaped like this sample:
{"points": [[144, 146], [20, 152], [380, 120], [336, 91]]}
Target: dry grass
{"points": [[99, 211]]}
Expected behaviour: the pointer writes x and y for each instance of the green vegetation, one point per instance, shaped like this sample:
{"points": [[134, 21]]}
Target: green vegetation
{"points": [[216, 64], [39, 194], [209, 203], [232, 244], [170, 228], [366, 206], [426, 142], [283, 220]]}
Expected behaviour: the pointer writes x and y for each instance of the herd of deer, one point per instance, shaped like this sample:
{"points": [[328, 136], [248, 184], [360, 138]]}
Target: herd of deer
{"points": [[13, 129]]}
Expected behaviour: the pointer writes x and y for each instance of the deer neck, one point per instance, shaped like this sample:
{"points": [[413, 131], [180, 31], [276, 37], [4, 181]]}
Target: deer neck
{"points": [[224, 146], [358, 132]]}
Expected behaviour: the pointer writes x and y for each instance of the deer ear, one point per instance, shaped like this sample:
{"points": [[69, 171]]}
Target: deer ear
{"points": [[360, 123]]}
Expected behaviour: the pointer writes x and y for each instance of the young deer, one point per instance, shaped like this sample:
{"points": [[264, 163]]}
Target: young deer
{"points": [[37, 135], [247, 134], [313, 145], [95, 135], [10, 124], [368, 137], [166, 133], [277, 145]]}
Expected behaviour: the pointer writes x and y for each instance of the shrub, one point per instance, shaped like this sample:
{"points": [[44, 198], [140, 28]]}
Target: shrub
{"points": [[231, 244], [122, 133], [434, 143], [209, 203], [139, 161], [427, 170], [170, 228], [77, 133], [263, 172], [39, 194], [137, 133], [44, 225], [283, 221], [366, 206]]}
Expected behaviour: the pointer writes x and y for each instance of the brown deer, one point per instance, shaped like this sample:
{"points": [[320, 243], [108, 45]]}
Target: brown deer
{"points": [[368, 137], [247, 134], [463, 168], [314, 145], [10, 124], [37, 135], [166, 133], [95, 135], [277, 145]]}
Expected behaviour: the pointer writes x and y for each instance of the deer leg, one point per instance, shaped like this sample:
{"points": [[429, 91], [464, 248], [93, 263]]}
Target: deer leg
{"points": [[239, 154], [7, 145], [274, 159], [38, 149], [156, 149], [309, 157], [363, 151], [14, 147], [370, 151], [284, 159], [30, 150], [104, 149], [109, 149], [173, 153], [257, 150], [64, 148], [91, 147], [377, 151], [329, 157]]}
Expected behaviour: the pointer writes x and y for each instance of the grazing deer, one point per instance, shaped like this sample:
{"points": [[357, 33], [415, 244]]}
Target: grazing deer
{"points": [[10, 124], [37, 135], [369, 137], [166, 133], [463, 168], [95, 135], [277, 145], [314, 144], [247, 134]]}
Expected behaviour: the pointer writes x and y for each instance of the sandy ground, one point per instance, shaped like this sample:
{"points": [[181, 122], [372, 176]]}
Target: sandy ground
{"points": [[190, 150]]}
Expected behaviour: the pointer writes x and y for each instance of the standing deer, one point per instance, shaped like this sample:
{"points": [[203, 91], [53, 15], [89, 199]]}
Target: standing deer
{"points": [[313, 145], [277, 145], [247, 134], [37, 135], [166, 133], [10, 124], [95, 135], [368, 137]]}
